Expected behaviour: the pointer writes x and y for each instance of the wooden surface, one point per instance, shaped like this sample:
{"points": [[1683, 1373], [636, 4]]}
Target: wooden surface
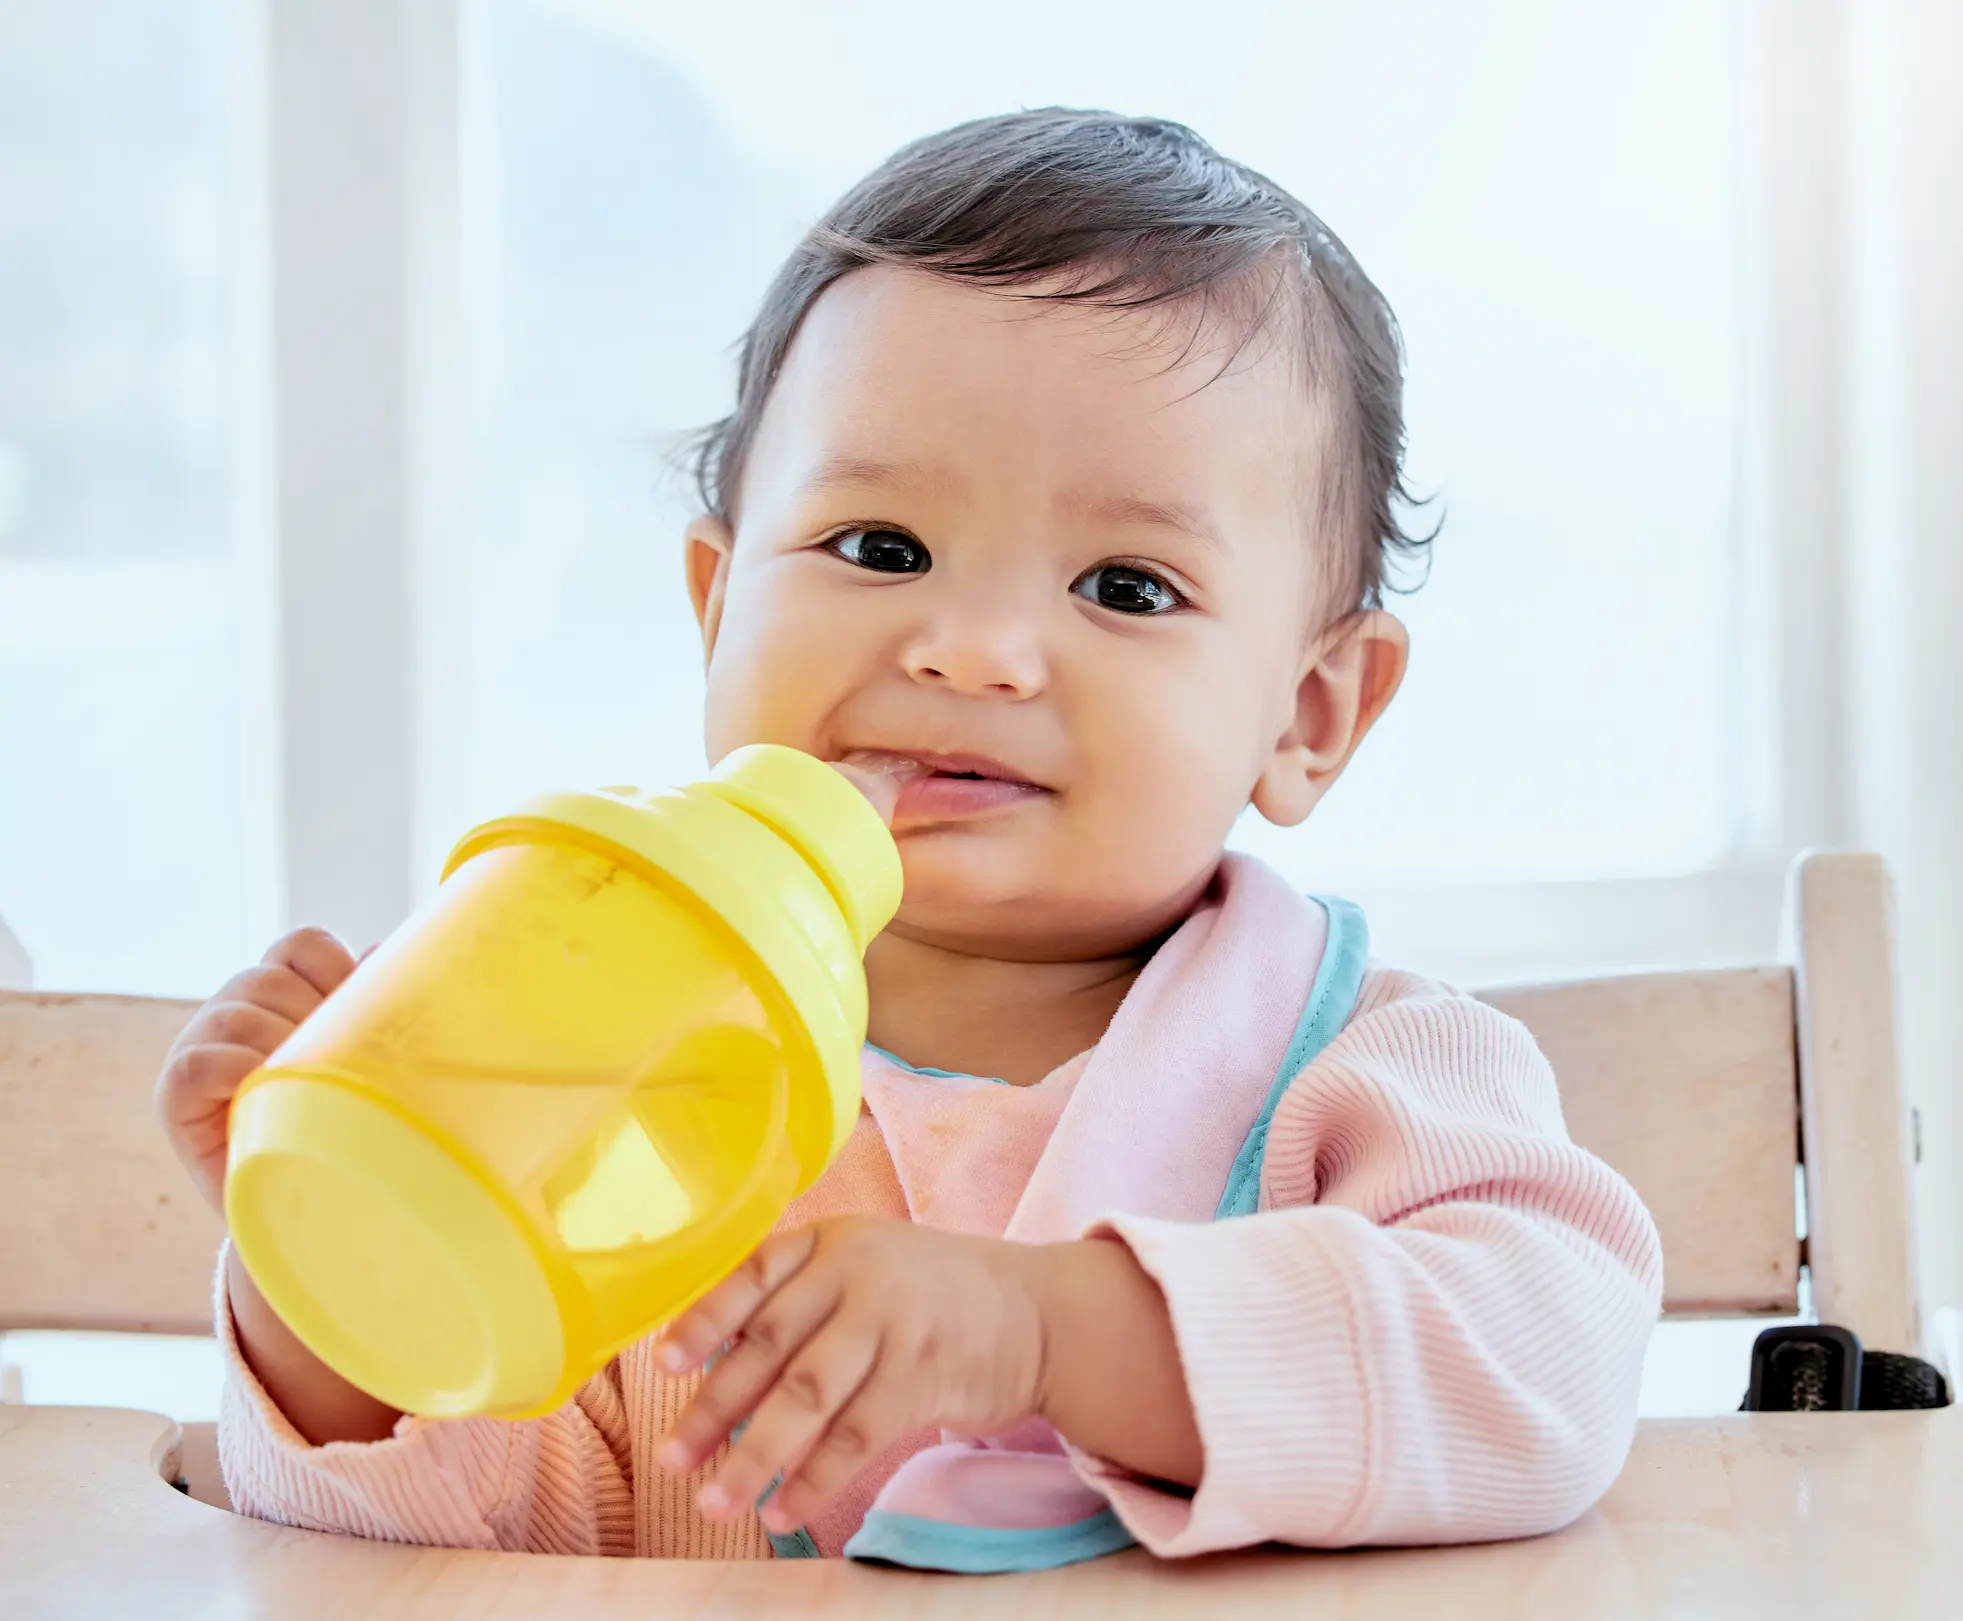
{"points": [[99, 1226], [1685, 1083], [1841, 927], [1763, 1515]]}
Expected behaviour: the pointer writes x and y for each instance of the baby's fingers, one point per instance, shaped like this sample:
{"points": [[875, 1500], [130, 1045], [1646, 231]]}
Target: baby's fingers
{"points": [[224, 1042], [251, 1025], [194, 1094], [316, 956], [204, 1075], [792, 1420], [743, 1378], [691, 1339], [873, 1418], [274, 987]]}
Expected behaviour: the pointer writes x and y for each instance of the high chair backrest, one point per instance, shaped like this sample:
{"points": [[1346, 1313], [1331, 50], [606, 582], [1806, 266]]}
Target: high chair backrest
{"points": [[1700, 1087], [1707, 1090], [99, 1226]]}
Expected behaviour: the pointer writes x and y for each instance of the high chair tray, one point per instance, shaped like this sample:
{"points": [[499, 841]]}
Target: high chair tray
{"points": [[1762, 1515]]}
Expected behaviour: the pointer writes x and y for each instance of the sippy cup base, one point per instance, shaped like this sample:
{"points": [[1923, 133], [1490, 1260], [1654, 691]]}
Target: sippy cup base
{"points": [[391, 1261]]}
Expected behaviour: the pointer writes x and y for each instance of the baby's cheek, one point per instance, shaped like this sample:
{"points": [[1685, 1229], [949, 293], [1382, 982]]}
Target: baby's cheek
{"points": [[774, 675], [1178, 781]]}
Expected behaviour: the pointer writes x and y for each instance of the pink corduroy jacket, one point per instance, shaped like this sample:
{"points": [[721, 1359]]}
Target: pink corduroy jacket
{"points": [[1428, 1328]]}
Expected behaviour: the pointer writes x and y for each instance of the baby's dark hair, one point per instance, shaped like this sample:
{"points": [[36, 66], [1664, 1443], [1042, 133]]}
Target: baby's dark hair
{"points": [[1093, 209]]}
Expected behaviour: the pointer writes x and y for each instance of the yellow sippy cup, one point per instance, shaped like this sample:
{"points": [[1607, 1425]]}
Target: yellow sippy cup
{"points": [[573, 1091]]}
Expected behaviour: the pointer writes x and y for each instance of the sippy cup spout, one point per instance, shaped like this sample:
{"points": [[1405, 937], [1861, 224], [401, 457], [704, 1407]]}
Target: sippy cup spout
{"points": [[832, 823], [880, 777]]}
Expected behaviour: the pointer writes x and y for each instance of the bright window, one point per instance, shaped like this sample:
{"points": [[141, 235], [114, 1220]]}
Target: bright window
{"points": [[135, 818]]}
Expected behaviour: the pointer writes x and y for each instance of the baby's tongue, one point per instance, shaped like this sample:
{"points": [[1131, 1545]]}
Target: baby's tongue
{"points": [[880, 777]]}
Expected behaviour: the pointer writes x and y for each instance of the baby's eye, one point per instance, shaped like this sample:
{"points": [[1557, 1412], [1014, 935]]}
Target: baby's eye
{"points": [[1127, 590], [886, 551]]}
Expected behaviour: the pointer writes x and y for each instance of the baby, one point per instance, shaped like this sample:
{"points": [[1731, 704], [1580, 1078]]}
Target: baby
{"points": [[1063, 464]]}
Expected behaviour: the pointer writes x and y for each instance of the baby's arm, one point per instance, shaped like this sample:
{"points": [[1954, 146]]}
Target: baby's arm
{"points": [[558, 1484], [1436, 1331]]}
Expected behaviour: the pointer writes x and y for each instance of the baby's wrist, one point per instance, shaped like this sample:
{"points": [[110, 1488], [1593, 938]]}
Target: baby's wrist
{"points": [[315, 1400], [1073, 1286], [1111, 1380]]}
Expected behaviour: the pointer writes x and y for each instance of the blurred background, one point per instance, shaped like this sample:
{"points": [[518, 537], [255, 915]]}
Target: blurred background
{"points": [[345, 346]]}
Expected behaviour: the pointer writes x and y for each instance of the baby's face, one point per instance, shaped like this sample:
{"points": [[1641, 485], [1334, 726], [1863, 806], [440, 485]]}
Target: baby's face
{"points": [[1032, 548]]}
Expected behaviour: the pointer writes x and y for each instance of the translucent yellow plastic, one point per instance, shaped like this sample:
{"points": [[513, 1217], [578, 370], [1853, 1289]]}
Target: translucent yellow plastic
{"points": [[573, 1091]]}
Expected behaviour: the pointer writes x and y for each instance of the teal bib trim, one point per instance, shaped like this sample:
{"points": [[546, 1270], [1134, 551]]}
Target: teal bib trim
{"points": [[932, 1074], [979, 1550], [784, 1544], [792, 1544], [1332, 998]]}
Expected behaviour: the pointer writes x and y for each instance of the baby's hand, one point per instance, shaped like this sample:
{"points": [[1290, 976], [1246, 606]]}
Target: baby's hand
{"points": [[231, 1036], [849, 1334]]}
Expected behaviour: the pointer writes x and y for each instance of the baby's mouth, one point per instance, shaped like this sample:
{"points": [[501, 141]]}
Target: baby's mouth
{"points": [[948, 787]]}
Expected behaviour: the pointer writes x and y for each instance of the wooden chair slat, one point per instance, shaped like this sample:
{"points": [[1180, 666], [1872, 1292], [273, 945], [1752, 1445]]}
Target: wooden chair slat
{"points": [[99, 1227], [1684, 1082]]}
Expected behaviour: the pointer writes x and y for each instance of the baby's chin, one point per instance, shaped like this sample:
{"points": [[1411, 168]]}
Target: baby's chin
{"points": [[986, 902]]}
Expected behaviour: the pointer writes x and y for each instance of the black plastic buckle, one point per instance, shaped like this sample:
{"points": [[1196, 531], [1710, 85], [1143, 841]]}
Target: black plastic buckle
{"points": [[1813, 1368]]}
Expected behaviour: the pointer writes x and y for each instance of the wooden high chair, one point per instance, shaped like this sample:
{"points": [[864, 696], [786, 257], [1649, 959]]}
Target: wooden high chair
{"points": [[1708, 1089]]}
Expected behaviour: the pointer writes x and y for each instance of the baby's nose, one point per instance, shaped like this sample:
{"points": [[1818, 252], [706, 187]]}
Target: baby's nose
{"points": [[980, 656]]}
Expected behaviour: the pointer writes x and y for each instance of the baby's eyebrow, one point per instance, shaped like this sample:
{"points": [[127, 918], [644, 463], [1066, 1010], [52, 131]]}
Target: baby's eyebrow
{"points": [[1182, 517], [843, 472]]}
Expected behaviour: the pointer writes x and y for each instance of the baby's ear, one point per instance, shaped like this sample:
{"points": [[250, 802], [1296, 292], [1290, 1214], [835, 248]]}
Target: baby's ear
{"points": [[709, 544], [1349, 676]]}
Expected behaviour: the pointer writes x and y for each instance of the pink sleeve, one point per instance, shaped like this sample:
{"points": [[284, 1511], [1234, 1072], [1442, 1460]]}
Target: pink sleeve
{"points": [[1434, 1329], [559, 1484]]}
